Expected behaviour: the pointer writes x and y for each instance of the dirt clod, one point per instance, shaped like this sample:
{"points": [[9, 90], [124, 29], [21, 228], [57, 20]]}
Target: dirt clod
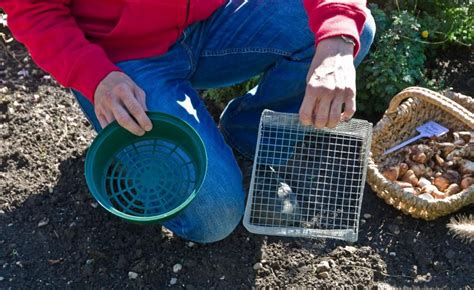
{"points": [[258, 266], [323, 267], [132, 275]]}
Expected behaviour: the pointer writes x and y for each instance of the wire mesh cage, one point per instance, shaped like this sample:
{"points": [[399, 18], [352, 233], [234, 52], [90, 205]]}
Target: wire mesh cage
{"points": [[307, 182]]}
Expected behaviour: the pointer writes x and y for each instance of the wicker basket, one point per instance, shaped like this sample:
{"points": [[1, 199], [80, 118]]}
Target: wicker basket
{"points": [[454, 111]]}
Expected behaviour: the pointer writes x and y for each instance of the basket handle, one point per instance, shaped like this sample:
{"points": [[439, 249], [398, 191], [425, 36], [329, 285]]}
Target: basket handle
{"points": [[434, 98]]}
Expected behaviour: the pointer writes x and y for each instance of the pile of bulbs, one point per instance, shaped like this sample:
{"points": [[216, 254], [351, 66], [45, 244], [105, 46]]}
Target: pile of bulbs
{"points": [[435, 168]]}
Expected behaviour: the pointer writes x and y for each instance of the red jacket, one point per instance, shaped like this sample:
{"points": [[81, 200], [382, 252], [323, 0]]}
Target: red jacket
{"points": [[78, 41]]}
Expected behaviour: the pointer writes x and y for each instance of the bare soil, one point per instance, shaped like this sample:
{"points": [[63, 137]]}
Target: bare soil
{"points": [[53, 235]]}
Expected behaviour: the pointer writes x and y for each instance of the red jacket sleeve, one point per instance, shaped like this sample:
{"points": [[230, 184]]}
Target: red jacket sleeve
{"points": [[329, 18], [57, 45]]}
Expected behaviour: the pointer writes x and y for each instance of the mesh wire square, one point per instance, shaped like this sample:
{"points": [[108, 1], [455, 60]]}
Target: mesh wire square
{"points": [[307, 182]]}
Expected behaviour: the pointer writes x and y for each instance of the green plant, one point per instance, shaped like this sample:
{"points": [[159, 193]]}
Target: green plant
{"points": [[397, 61], [451, 25]]}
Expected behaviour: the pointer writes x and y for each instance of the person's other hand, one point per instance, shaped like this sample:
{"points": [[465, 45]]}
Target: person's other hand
{"points": [[117, 97], [330, 85]]}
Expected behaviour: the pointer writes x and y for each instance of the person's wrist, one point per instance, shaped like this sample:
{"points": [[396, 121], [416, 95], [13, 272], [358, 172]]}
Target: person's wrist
{"points": [[335, 45]]}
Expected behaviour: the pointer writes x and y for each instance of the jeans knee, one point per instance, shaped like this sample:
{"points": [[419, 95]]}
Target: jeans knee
{"points": [[213, 221], [218, 207], [217, 228]]}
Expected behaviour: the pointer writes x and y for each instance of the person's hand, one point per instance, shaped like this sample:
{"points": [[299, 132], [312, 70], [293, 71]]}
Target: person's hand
{"points": [[117, 97], [330, 85]]}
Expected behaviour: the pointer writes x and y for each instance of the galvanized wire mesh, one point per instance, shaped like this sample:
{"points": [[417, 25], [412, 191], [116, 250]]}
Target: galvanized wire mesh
{"points": [[307, 182]]}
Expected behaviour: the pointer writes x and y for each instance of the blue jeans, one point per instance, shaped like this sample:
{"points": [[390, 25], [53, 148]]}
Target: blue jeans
{"points": [[237, 42]]}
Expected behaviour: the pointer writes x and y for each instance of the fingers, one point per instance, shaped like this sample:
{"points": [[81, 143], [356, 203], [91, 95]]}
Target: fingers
{"points": [[117, 97], [102, 120], [137, 110], [104, 117], [335, 111], [141, 97], [322, 106], [329, 91], [308, 105], [321, 116], [349, 106], [125, 120]]}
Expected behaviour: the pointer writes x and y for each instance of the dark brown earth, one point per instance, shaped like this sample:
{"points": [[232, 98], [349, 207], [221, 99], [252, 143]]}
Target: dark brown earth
{"points": [[52, 234]]}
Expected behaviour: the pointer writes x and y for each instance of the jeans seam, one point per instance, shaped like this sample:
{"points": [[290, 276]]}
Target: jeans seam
{"points": [[191, 59], [209, 53]]}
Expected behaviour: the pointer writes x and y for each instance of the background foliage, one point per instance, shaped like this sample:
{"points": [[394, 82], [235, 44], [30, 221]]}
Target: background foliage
{"points": [[408, 34]]}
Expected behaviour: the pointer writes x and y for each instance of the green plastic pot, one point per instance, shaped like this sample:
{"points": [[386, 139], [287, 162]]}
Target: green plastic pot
{"points": [[146, 179]]}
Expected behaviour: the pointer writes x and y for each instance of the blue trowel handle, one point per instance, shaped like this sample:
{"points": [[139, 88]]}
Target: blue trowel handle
{"points": [[403, 144]]}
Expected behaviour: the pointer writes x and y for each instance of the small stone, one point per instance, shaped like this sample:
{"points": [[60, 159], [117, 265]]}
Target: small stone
{"points": [[350, 249], [191, 244], [165, 233], [36, 97], [323, 266], [423, 278], [367, 216], [23, 73], [222, 278], [177, 268], [323, 275], [173, 281], [392, 254], [89, 261], [43, 222], [94, 204], [450, 254], [132, 275], [257, 266], [1, 279]]}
